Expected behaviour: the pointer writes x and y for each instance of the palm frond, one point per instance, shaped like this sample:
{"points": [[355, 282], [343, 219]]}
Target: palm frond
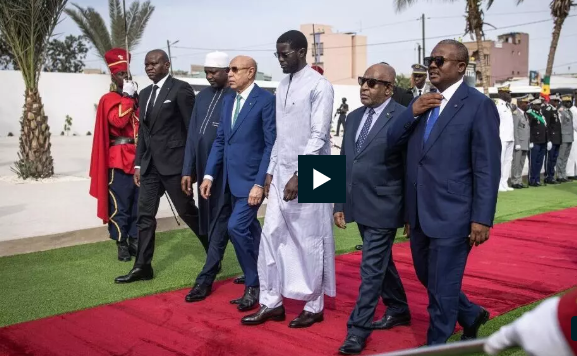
{"points": [[92, 26], [27, 27], [117, 31], [139, 17]]}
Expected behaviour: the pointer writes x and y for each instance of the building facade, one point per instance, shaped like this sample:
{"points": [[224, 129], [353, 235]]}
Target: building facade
{"points": [[342, 56], [505, 58]]}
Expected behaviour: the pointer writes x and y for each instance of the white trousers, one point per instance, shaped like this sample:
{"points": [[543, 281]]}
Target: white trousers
{"points": [[271, 299], [506, 159]]}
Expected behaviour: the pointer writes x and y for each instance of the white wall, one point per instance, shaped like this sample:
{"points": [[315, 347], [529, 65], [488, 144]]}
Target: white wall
{"points": [[75, 94]]}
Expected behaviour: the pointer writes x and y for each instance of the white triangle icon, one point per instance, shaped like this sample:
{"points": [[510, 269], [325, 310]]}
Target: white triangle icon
{"points": [[319, 179]]}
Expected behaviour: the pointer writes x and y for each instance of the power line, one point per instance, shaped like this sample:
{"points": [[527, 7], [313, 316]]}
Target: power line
{"points": [[487, 14]]}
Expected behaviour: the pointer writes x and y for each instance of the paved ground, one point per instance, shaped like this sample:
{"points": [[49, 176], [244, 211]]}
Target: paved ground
{"points": [[58, 205]]}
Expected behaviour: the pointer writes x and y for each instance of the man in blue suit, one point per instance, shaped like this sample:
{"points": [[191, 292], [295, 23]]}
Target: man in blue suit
{"points": [[242, 149], [452, 180], [374, 146]]}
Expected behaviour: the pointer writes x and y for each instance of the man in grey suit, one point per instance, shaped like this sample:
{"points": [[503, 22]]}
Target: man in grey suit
{"points": [[522, 132], [566, 118]]}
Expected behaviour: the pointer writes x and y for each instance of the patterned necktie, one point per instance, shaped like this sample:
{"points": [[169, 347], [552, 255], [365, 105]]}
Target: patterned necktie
{"points": [[431, 122], [365, 131], [150, 105], [236, 110]]}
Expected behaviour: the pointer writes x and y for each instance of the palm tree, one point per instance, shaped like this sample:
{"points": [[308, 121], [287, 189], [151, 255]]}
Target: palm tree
{"points": [[559, 10], [474, 26], [93, 27], [27, 27]]}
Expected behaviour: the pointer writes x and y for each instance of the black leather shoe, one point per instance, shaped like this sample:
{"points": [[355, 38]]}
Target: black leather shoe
{"points": [[389, 321], [306, 319], [136, 274], [470, 333], [263, 315], [518, 186], [132, 246], [359, 247], [562, 180], [239, 280], [198, 292], [353, 345], [123, 251], [551, 181], [249, 300]]}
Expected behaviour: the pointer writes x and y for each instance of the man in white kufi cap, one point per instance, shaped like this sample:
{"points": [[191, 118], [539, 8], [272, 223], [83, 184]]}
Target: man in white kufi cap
{"points": [[215, 211]]}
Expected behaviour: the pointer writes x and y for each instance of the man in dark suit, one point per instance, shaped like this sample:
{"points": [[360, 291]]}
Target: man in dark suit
{"points": [[452, 180], [242, 149], [167, 106], [375, 174]]}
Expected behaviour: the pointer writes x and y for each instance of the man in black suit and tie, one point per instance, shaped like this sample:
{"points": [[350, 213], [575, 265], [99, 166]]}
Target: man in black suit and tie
{"points": [[375, 170], [168, 105]]}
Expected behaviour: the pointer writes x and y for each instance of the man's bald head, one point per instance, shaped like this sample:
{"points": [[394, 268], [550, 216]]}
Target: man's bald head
{"points": [[156, 65], [242, 73], [377, 84]]}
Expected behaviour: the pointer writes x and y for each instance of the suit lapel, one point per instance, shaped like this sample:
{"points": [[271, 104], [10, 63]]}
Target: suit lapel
{"points": [[449, 112], [246, 108], [144, 95], [382, 120], [227, 107], [161, 97]]}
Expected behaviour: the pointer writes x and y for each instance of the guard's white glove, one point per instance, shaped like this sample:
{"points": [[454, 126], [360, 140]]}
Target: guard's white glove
{"points": [[517, 147], [537, 332], [531, 145], [549, 146], [129, 87]]}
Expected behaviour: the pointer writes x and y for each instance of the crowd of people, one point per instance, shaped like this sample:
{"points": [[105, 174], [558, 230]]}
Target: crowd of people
{"points": [[432, 165]]}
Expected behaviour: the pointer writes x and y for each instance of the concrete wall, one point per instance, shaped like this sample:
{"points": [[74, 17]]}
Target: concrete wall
{"points": [[75, 94], [510, 58]]}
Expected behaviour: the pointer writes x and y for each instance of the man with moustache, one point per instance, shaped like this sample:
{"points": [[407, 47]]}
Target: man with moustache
{"points": [[522, 135], [420, 80], [538, 139], [215, 211], [297, 251], [566, 119], [241, 150], [551, 114], [374, 145], [453, 172], [167, 105]]}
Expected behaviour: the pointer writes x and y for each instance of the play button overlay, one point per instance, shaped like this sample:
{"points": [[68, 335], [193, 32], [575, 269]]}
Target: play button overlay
{"points": [[322, 179], [319, 179]]}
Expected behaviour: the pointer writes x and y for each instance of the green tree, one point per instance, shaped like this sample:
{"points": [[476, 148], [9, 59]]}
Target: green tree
{"points": [[93, 27], [7, 60], [403, 82], [66, 56], [474, 26], [27, 27]]}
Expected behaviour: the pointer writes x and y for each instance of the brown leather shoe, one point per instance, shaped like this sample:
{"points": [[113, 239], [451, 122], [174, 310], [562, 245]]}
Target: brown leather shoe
{"points": [[264, 314], [306, 319]]}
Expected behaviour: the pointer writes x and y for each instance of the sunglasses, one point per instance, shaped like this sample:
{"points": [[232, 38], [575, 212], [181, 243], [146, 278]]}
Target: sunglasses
{"points": [[283, 55], [371, 82], [438, 60], [235, 69]]}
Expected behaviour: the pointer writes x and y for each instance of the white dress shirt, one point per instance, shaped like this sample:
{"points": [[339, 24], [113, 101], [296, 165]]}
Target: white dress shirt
{"points": [[378, 111], [159, 85], [244, 96]]}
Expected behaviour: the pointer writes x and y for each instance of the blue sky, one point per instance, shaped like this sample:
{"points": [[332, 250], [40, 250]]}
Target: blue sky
{"points": [[252, 26]]}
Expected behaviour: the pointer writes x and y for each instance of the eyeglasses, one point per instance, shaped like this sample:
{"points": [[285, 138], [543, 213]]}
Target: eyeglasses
{"points": [[371, 82], [235, 69], [283, 55], [438, 60]]}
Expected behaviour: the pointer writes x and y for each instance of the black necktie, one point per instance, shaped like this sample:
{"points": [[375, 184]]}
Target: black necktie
{"points": [[150, 105], [419, 92]]}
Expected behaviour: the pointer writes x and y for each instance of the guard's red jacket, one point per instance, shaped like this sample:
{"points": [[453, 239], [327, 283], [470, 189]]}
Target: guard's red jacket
{"points": [[116, 116]]}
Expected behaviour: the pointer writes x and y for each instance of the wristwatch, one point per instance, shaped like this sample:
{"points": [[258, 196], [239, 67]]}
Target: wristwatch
{"points": [[297, 173]]}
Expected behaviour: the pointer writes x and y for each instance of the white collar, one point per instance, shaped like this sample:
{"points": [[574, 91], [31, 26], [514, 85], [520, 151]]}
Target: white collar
{"points": [[161, 82], [450, 91], [245, 93], [379, 109]]}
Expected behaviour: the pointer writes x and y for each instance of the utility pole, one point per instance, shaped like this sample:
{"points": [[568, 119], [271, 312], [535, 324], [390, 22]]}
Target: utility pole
{"points": [[419, 49], [168, 44], [315, 45], [423, 25]]}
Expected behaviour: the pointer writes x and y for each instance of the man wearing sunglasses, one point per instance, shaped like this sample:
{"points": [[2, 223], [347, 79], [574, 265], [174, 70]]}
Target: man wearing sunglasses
{"points": [[241, 150], [453, 170], [375, 175], [297, 250]]}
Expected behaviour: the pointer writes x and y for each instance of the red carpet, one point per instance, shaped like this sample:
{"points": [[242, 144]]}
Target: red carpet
{"points": [[524, 261]]}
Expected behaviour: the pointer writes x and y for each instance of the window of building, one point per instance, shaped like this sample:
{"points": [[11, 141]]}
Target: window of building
{"points": [[518, 73], [513, 72], [319, 49], [486, 59]]}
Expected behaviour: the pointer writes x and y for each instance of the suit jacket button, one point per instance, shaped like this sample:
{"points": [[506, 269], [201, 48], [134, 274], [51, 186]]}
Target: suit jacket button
{"points": [[355, 161], [414, 184]]}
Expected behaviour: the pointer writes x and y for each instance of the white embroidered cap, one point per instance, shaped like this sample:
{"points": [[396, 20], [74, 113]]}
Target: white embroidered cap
{"points": [[217, 60]]}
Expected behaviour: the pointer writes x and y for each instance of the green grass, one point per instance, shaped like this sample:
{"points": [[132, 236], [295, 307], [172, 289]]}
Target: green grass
{"points": [[47, 283]]}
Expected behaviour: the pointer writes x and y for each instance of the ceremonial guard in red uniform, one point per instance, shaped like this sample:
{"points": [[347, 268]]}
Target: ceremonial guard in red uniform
{"points": [[113, 154]]}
